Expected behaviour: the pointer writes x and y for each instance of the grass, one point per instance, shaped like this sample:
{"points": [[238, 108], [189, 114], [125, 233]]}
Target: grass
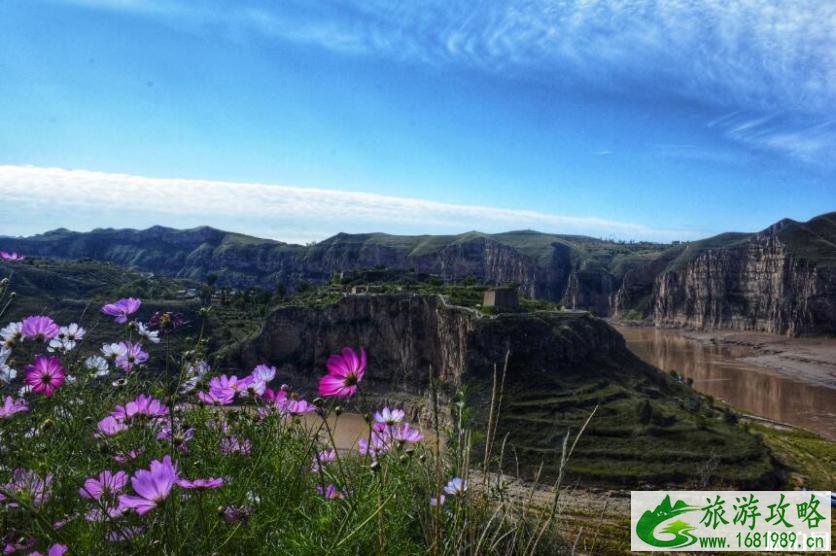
{"points": [[810, 458]]}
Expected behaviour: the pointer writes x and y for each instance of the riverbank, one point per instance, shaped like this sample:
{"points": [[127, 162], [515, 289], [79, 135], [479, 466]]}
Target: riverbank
{"points": [[807, 359], [788, 380]]}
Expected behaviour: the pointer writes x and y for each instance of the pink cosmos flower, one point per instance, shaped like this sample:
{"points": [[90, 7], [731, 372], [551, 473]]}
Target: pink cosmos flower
{"points": [[122, 308], [389, 416], [180, 436], [200, 483], [378, 445], [39, 328], [234, 445], [133, 356], [31, 485], [404, 433], [264, 373], [299, 407], [123, 534], [455, 486], [142, 406], [235, 514], [152, 486], [12, 257], [45, 375], [110, 426], [323, 457], [330, 492], [105, 486], [12, 406], [54, 550], [345, 371], [128, 456], [215, 397]]}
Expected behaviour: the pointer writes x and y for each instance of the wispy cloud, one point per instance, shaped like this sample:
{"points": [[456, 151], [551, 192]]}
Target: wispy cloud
{"points": [[295, 213], [809, 139], [764, 54], [755, 56]]}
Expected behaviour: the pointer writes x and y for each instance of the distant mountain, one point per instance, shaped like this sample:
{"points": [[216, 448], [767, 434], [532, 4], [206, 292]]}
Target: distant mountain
{"points": [[781, 280]]}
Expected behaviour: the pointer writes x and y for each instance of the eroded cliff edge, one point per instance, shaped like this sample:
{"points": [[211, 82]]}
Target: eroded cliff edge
{"points": [[648, 428]]}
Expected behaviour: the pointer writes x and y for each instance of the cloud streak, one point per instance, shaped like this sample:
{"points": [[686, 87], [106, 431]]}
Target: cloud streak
{"points": [[303, 214]]}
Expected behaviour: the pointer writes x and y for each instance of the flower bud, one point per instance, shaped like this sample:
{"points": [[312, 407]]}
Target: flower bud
{"points": [[338, 410]]}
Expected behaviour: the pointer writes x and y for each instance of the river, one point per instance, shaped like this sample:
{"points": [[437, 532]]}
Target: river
{"points": [[722, 372]]}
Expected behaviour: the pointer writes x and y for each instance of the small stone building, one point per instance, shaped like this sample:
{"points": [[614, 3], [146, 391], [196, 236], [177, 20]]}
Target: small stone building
{"points": [[501, 297]]}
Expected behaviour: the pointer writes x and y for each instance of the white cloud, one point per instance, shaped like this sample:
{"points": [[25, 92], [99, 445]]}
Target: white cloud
{"points": [[283, 212]]}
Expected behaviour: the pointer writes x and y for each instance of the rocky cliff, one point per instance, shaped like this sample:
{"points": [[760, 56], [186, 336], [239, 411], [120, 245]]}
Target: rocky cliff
{"points": [[781, 280], [561, 367]]}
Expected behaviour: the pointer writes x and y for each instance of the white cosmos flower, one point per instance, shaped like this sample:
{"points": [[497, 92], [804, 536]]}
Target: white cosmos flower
{"points": [[152, 336], [7, 374], [62, 345], [11, 333], [98, 365], [114, 351], [72, 332]]}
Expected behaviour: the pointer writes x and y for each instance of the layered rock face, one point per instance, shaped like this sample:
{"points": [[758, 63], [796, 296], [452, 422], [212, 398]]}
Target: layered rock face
{"points": [[756, 284], [407, 338], [411, 337]]}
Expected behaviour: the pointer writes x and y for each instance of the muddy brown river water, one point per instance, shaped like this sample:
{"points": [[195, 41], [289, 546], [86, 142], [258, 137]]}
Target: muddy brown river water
{"points": [[720, 371]]}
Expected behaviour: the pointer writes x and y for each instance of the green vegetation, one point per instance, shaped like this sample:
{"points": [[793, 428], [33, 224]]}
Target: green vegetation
{"points": [[810, 458]]}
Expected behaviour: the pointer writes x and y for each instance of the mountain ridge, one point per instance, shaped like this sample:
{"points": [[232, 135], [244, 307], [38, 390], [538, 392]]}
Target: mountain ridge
{"points": [[781, 279]]}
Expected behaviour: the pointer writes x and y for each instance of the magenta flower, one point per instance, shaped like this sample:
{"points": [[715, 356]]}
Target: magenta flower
{"points": [[54, 550], [345, 371], [31, 485], [11, 406], [299, 407], [128, 456], [388, 416], [405, 434], [379, 444], [323, 457], [234, 445], [105, 486], [200, 483], [110, 426], [39, 328], [143, 405], [180, 437], [264, 373], [216, 397], [122, 308], [12, 257], [152, 486], [45, 375], [330, 492], [133, 356]]}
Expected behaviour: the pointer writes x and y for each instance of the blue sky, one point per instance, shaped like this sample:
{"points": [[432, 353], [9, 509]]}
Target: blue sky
{"points": [[296, 120]]}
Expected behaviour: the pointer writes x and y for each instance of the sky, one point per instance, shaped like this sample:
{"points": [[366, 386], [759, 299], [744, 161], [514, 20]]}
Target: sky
{"points": [[646, 120]]}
